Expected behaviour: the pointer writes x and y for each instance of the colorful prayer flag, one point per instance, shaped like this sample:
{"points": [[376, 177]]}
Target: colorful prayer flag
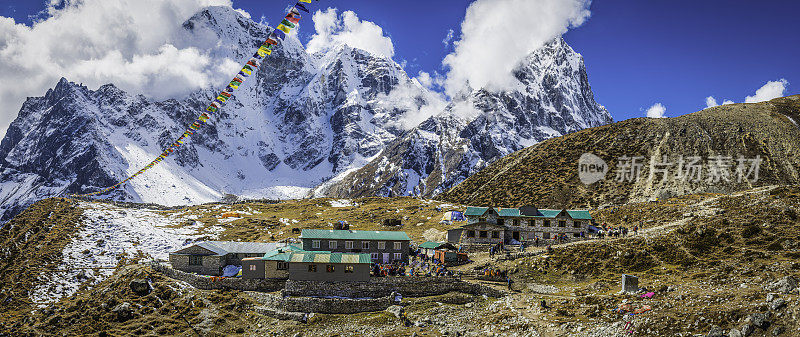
{"points": [[287, 23], [283, 28], [301, 7]]}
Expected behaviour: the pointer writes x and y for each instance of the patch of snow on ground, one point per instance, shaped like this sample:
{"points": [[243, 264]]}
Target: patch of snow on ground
{"points": [[342, 203], [106, 236]]}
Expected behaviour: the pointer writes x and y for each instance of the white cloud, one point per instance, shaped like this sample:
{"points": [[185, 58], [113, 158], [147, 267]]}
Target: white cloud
{"points": [[448, 38], [429, 81], [333, 30], [656, 111], [711, 102], [134, 44], [496, 35], [771, 90], [423, 105]]}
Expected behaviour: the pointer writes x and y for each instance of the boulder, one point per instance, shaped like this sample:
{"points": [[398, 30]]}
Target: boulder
{"points": [[759, 320], [777, 304], [778, 331], [396, 310], [735, 333], [140, 287], [123, 311], [784, 285], [716, 332], [747, 329]]}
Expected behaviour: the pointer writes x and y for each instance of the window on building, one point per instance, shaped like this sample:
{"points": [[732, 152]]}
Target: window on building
{"points": [[376, 256], [312, 268], [252, 267], [546, 223], [562, 223], [398, 256], [329, 268], [348, 245], [381, 245], [483, 234], [501, 222], [365, 245], [283, 265], [545, 235], [349, 269], [482, 219], [576, 224], [495, 235], [315, 244], [398, 245], [516, 222], [470, 234], [195, 260], [577, 235], [332, 244]]}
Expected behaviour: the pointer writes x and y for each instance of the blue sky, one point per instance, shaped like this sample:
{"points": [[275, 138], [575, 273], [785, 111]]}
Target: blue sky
{"points": [[637, 52]]}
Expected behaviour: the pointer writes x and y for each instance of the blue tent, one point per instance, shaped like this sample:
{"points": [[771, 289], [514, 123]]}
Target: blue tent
{"points": [[593, 229]]}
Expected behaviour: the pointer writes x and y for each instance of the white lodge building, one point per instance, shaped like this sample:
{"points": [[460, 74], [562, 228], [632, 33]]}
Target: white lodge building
{"points": [[487, 225]]}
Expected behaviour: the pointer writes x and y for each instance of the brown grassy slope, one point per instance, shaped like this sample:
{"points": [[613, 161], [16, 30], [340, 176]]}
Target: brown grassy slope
{"points": [[717, 262], [546, 174], [264, 222], [29, 244]]}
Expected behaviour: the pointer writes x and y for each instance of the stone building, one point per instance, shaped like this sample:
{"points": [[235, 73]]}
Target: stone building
{"points": [[486, 225], [300, 265], [383, 246], [209, 257]]}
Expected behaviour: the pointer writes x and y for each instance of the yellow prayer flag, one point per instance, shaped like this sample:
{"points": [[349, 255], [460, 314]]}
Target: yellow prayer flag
{"points": [[284, 28]]}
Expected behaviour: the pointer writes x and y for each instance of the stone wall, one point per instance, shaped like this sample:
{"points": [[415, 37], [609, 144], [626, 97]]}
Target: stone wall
{"points": [[375, 288], [412, 286], [207, 283], [321, 305]]}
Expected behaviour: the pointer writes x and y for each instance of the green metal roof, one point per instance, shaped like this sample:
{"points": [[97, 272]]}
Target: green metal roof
{"points": [[548, 213], [430, 245], [580, 215], [282, 254], [543, 213], [508, 211], [353, 235], [476, 211], [326, 257]]}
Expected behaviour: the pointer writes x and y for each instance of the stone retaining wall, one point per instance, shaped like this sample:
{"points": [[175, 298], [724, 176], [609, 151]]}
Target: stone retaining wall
{"points": [[413, 286], [206, 283], [322, 305], [374, 289]]}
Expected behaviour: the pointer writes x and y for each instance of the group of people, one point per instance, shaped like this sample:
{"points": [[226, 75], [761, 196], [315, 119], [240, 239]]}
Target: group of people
{"points": [[420, 266], [496, 249], [615, 232], [389, 269]]}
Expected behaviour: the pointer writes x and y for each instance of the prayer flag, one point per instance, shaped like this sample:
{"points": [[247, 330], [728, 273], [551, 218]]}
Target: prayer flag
{"points": [[279, 34], [301, 7], [306, 1], [287, 23], [271, 41], [283, 28], [292, 19]]}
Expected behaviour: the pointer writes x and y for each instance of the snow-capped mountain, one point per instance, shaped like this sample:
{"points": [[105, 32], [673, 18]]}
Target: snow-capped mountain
{"points": [[553, 98], [301, 119]]}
